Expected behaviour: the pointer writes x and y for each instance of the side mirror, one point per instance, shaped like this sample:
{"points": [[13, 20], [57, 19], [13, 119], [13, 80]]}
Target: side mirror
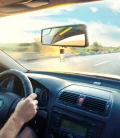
{"points": [[66, 36]]}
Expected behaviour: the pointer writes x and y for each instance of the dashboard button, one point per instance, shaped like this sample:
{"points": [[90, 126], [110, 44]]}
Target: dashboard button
{"points": [[69, 136], [90, 130], [89, 134], [64, 134], [55, 131], [93, 124], [80, 100], [60, 132], [58, 119]]}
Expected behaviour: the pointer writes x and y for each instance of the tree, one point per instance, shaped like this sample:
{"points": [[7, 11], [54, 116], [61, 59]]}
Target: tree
{"points": [[36, 45], [96, 47]]}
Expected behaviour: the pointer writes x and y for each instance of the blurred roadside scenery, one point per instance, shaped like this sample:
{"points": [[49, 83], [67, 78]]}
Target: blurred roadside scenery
{"points": [[34, 50]]}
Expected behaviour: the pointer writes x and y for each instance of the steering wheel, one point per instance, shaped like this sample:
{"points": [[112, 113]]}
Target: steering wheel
{"points": [[9, 101]]}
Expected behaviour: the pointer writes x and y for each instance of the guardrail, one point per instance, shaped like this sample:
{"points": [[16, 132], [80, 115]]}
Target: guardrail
{"points": [[29, 56]]}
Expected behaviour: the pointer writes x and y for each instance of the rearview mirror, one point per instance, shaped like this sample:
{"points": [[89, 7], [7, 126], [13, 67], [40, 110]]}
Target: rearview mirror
{"points": [[66, 36]]}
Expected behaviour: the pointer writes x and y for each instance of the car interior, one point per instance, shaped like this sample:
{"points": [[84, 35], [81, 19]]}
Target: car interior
{"points": [[71, 105]]}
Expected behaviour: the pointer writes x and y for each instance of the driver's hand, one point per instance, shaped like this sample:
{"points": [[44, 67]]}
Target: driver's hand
{"points": [[27, 108]]}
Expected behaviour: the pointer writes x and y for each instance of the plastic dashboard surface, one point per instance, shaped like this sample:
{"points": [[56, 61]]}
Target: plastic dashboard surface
{"points": [[56, 85]]}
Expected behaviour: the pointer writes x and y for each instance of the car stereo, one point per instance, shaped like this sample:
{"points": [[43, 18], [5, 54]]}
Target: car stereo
{"points": [[67, 125], [74, 127]]}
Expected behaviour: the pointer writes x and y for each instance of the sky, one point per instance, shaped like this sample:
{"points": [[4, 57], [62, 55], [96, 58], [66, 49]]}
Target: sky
{"points": [[102, 20]]}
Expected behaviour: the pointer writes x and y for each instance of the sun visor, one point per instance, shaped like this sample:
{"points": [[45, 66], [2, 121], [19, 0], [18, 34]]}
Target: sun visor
{"points": [[12, 7], [34, 3], [8, 2]]}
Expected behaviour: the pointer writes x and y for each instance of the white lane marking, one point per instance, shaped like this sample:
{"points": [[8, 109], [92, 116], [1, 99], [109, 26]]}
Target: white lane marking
{"points": [[101, 63]]}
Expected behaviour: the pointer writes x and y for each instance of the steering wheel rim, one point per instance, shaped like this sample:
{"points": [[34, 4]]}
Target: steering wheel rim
{"points": [[8, 101], [23, 78]]}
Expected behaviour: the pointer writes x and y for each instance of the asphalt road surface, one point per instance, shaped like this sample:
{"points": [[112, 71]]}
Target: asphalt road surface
{"points": [[103, 63]]}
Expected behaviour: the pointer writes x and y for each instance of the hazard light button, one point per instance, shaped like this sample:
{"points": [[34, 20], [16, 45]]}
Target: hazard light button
{"points": [[80, 100]]}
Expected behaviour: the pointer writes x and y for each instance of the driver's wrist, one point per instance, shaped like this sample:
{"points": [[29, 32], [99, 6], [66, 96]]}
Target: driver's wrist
{"points": [[18, 119]]}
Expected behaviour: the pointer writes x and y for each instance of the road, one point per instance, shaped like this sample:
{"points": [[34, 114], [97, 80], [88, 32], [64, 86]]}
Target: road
{"points": [[103, 63]]}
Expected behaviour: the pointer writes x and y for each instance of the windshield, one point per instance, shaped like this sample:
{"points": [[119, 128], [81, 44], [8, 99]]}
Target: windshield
{"points": [[20, 37]]}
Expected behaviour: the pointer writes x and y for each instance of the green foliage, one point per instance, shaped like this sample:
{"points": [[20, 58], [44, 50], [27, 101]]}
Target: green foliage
{"points": [[96, 47], [36, 47], [25, 44]]}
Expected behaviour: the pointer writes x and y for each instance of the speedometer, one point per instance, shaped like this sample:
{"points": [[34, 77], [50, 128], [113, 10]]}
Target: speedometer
{"points": [[44, 97]]}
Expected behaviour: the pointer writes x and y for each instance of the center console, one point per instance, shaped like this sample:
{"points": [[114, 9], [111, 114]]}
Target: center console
{"points": [[65, 124]]}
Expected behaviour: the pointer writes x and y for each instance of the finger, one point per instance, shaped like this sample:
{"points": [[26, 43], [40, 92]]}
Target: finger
{"points": [[35, 107], [35, 111], [32, 96], [22, 99], [35, 102]]}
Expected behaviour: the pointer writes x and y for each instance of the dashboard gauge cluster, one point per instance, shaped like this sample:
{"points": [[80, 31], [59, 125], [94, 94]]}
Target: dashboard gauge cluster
{"points": [[42, 96], [42, 93]]}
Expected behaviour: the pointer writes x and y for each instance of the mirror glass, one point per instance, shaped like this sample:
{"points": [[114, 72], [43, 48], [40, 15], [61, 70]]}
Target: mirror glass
{"points": [[74, 35]]}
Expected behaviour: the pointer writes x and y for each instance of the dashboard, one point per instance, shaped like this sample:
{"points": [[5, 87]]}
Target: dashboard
{"points": [[72, 106]]}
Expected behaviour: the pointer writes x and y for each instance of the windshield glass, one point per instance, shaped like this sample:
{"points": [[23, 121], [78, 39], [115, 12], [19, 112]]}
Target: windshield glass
{"points": [[20, 37]]}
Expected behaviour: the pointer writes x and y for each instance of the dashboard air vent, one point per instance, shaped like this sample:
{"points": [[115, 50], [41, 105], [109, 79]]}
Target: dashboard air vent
{"points": [[67, 97], [94, 105]]}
